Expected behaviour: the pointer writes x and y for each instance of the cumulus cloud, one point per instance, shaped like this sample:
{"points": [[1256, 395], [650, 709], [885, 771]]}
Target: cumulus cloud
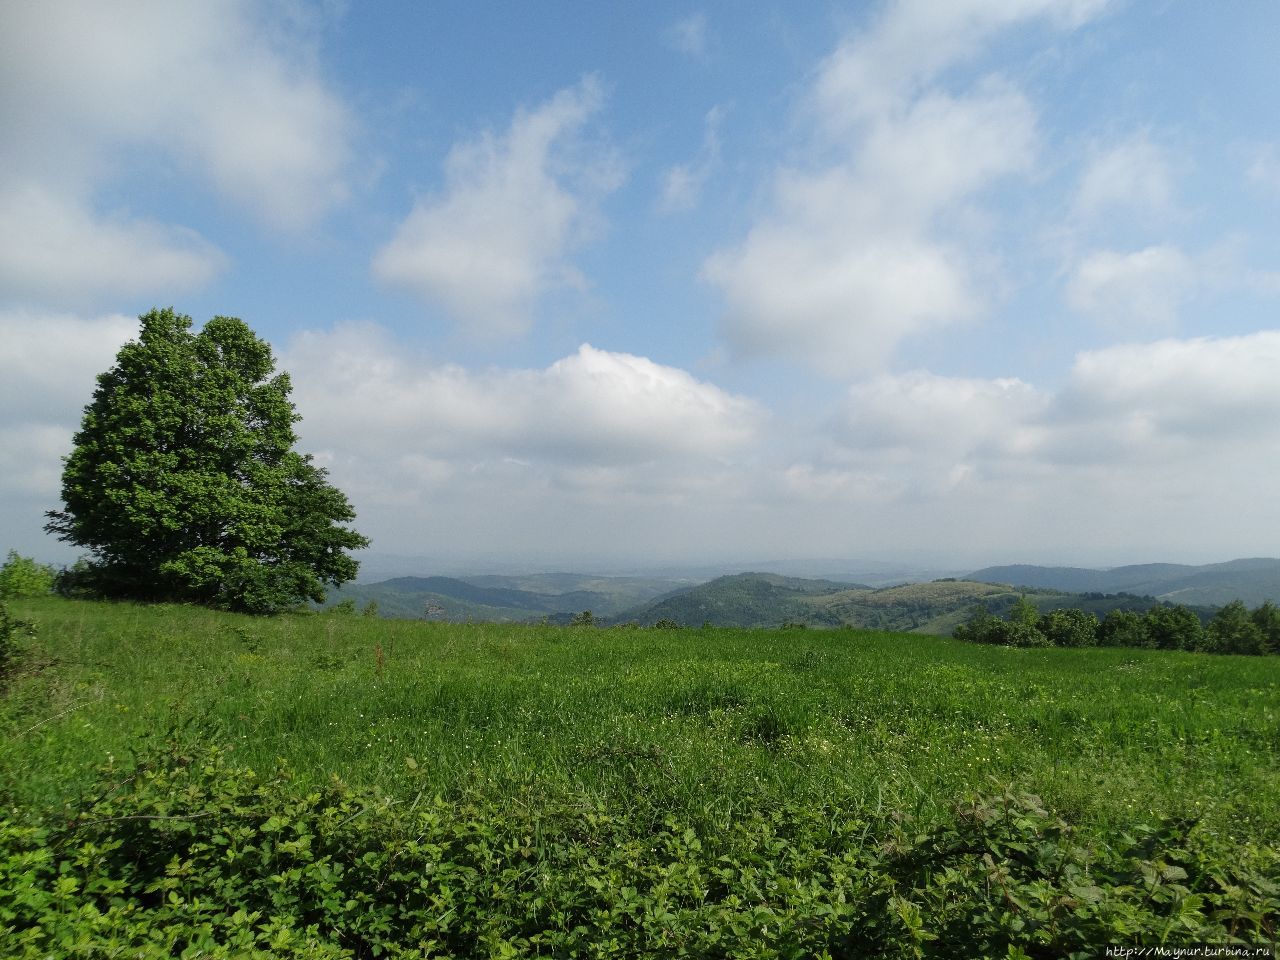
{"points": [[599, 452], [874, 73], [954, 417], [1141, 289], [513, 207], [1135, 409], [48, 369], [859, 250], [594, 407], [213, 89], [50, 361], [56, 250], [1165, 448], [848, 263], [1196, 394]]}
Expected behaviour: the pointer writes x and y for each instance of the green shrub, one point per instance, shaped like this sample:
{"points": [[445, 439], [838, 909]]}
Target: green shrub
{"points": [[1174, 628], [23, 577], [1123, 628], [1233, 630], [191, 854], [983, 627], [1069, 628]]}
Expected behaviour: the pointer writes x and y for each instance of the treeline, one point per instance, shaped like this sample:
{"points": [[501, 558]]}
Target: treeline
{"points": [[1233, 629]]}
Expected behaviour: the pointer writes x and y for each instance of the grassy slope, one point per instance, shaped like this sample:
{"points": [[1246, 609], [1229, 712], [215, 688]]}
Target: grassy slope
{"points": [[694, 723]]}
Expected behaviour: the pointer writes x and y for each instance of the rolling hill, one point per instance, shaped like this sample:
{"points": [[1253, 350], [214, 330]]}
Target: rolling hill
{"points": [[771, 600], [1252, 581], [936, 607], [502, 599]]}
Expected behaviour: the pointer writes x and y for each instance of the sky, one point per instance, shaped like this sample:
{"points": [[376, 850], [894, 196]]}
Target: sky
{"points": [[565, 284]]}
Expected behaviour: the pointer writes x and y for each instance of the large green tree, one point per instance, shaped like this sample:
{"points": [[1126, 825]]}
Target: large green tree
{"points": [[184, 483]]}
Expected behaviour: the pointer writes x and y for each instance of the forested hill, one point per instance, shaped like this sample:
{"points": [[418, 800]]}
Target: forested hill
{"points": [[498, 599], [765, 600], [1252, 581], [770, 600]]}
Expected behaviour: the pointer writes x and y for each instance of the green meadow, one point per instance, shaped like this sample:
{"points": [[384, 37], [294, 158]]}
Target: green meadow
{"points": [[691, 732]]}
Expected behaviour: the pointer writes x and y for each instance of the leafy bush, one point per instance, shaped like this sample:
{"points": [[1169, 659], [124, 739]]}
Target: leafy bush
{"points": [[1123, 628], [23, 577], [1174, 628], [1234, 629], [1019, 631], [190, 854], [1069, 628]]}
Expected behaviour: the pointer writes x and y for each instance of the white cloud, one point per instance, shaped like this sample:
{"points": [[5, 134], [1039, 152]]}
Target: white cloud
{"points": [[31, 460], [54, 249], [208, 88], [1148, 451], [594, 407], [513, 207], [599, 452], [682, 185], [50, 361], [849, 263], [950, 417], [1131, 177], [1141, 409], [865, 247], [48, 369], [874, 73], [1194, 395], [1139, 290]]}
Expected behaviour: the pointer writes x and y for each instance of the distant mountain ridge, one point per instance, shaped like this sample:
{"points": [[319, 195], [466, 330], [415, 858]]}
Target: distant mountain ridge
{"points": [[554, 596], [772, 600], [1253, 580], [936, 607]]}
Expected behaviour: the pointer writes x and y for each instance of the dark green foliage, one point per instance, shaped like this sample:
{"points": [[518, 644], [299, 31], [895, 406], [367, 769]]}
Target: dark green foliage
{"points": [[1069, 628], [742, 600], [1123, 628], [584, 619], [1020, 630], [23, 577], [1267, 617], [192, 854], [1174, 628], [1233, 630], [184, 483]]}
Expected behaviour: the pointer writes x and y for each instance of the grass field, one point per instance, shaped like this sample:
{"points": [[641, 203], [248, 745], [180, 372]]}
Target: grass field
{"points": [[692, 721], [698, 727]]}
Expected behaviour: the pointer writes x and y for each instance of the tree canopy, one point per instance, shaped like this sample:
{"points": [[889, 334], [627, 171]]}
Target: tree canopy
{"points": [[184, 484]]}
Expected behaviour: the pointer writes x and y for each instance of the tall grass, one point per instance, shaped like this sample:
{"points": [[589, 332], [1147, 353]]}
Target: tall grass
{"points": [[698, 724]]}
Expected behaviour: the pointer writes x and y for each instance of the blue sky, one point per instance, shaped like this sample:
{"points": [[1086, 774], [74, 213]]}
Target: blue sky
{"points": [[574, 284]]}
